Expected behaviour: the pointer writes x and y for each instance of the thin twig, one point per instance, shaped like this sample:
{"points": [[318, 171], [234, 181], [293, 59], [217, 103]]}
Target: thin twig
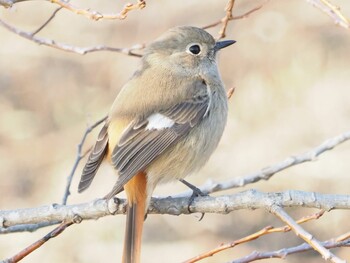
{"points": [[27, 227], [230, 92], [343, 237], [332, 11], [228, 17], [282, 253], [47, 21], [91, 14], [70, 48], [264, 231], [6, 3], [54, 233], [94, 15], [214, 187], [78, 158], [306, 236], [253, 10], [268, 172]]}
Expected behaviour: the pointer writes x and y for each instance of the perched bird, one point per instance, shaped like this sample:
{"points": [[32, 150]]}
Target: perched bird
{"points": [[164, 124]]}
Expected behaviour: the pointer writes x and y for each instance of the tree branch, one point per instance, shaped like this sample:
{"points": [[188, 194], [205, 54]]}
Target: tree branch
{"points": [[228, 17], [332, 11], [27, 227], [250, 199], [78, 158], [282, 253], [302, 233], [52, 234], [47, 21], [94, 15], [266, 230], [268, 172], [70, 48]]}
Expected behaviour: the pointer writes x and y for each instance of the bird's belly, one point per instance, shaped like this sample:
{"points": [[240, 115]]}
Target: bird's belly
{"points": [[192, 152]]}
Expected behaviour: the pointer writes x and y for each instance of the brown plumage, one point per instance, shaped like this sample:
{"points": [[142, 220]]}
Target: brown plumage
{"points": [[164, 124]]}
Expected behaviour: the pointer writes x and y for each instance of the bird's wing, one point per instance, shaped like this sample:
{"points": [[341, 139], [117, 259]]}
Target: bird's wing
{"points": [[96, 157], [146, 138]]}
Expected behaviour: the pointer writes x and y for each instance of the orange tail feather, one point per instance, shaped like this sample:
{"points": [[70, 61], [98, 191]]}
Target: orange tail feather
{"points": [[136, 193]]}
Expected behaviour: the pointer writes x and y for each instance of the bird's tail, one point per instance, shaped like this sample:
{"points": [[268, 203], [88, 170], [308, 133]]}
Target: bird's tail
{"points": [[136, 192]]}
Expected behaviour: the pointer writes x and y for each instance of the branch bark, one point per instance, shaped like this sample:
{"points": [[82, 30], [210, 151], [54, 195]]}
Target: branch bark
{"points": [[332, 11], [91, 14], [268, 172], [266, 230], [94, 15], [69, 48], [306, 236], [282, 253], [251, 199], [78, 158]]}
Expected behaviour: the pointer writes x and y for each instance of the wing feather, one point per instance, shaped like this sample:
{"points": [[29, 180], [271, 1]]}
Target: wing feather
{"points": [[95, 159], [139, 146]]}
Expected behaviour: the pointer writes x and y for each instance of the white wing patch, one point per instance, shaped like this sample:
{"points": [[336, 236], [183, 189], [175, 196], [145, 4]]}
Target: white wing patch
{"points": [[209, 102], [159, 121]]}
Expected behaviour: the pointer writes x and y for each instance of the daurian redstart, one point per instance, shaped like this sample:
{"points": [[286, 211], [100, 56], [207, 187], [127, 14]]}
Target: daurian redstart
{"points": [[164, 124]]}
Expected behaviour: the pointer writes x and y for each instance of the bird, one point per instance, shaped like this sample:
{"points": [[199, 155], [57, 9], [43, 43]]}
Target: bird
{"points": [[163, 125]]}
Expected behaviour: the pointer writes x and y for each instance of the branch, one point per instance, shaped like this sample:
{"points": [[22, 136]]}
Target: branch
{"points": [[268, 172], [9, 3], [282, 253], [80, 156], [47, 21], [54, 233], [306, 236], [69, 48], [27, 227], [266, 230], [250, 199], [332, 11], [94, 15], [228, 17]]}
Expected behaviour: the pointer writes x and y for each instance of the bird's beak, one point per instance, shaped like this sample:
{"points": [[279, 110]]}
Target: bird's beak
{"points": [[222, 44]]}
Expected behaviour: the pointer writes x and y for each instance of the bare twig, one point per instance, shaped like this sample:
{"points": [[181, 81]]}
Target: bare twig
{"points": [[27, 227], [47, 21], [94, 15], [306, 236], [266, 230], [343, 237], [228, 17], [209, 188], [282, 253], [78, 158], [268, 172], [332, 11], [251, 11], [25, 252], [70, 48], [7, 3], [230, 92], [250, 199]]}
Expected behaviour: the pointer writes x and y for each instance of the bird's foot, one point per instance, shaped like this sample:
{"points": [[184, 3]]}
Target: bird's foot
{"points": [[196, 192]]}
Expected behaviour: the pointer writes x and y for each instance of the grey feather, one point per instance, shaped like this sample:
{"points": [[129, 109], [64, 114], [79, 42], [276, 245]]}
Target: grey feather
{"points": [[95, 159], [138, 147]]}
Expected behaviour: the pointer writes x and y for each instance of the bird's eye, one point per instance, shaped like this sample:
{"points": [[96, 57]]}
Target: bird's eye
{"points": [[194, 49]]}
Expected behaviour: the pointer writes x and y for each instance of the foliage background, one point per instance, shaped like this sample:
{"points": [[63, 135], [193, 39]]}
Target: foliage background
{"points": [[291, 70]]}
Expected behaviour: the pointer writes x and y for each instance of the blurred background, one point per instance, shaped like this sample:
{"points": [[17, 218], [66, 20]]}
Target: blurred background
{"points": [[291, 70]]}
